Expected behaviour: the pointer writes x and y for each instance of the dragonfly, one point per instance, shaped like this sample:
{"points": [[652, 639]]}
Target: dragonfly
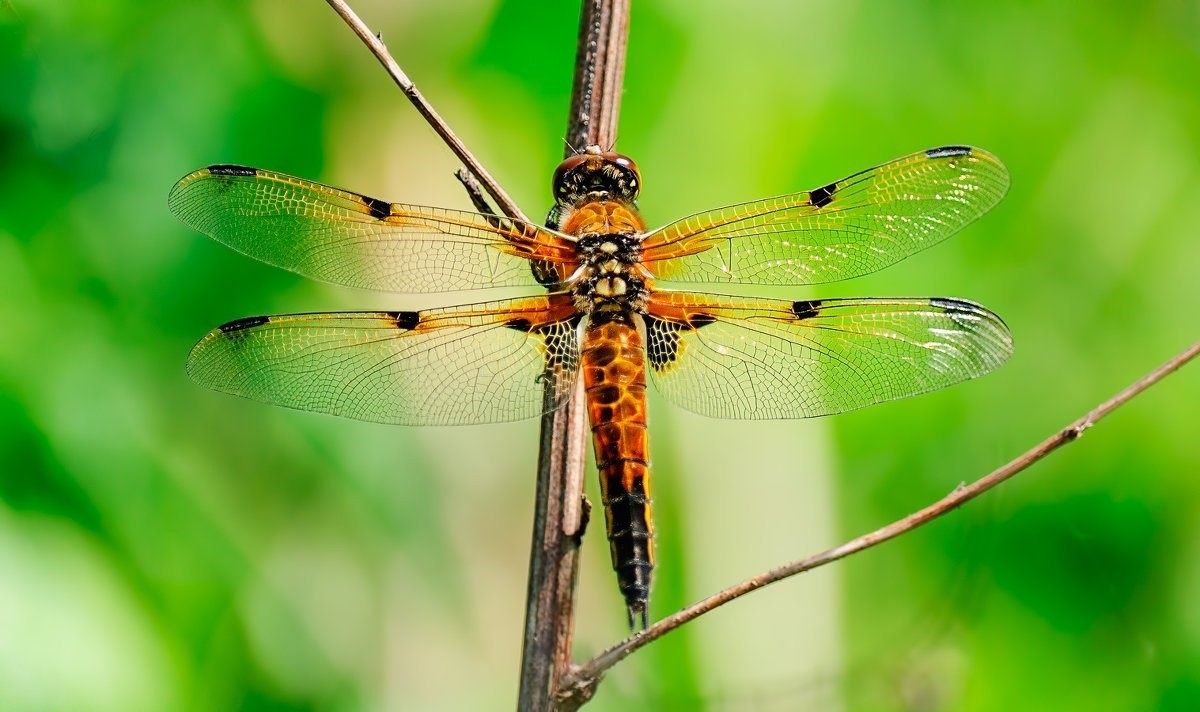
{"points": [[599, 314]]}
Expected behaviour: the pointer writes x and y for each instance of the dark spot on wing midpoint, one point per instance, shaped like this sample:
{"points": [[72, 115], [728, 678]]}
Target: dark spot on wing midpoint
{"points": [[697, 320], [822, 196], [229, 169], [946, 151], [806, 309], [406, 320], [243, 324], [519, 324], [380, 209]]}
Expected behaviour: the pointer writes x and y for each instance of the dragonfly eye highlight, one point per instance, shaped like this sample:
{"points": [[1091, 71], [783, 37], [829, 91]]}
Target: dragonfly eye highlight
{"points": [[561, 184], [626, 163], [594, 171]]}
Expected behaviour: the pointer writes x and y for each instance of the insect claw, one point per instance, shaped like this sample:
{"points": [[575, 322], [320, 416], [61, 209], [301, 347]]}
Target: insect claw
{"points": [[637, 613]]}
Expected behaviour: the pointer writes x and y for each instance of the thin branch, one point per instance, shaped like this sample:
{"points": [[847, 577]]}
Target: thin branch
{"points": [[375, 44], [583, 680], [599, 74], [560, 512], [475, 192], [554, 552]]}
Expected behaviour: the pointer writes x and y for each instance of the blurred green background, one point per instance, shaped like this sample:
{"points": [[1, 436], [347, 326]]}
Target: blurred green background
{"points": [[167, 548]]}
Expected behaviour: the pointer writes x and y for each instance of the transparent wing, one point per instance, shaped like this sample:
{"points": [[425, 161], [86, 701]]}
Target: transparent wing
{"points": [[845, 229], [337, 236], [472, 364], [733, 357]]}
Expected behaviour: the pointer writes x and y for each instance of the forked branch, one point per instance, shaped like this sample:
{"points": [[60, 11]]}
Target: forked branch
{"points": [[583, 680]]}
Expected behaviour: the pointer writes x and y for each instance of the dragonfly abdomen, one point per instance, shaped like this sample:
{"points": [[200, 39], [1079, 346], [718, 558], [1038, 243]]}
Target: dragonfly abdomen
{"points": [[613, 358]]}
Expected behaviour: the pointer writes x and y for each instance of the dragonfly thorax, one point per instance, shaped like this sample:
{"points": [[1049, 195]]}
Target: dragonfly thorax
{"points": [[609, 278]]}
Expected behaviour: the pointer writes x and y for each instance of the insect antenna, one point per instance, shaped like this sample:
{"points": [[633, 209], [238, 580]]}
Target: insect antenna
{"points": [[571, 147]]}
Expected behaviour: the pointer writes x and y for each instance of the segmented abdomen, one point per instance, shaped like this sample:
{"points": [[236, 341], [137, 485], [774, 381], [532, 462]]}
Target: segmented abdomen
{"points": [[613, 359]]}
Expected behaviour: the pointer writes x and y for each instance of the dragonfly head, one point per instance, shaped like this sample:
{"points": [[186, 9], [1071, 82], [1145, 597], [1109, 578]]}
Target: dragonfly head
{"points": [[596, 172]]}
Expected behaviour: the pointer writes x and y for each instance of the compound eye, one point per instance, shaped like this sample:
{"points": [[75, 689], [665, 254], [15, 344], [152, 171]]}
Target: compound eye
{"points": [[558, 184], [627, 163]]}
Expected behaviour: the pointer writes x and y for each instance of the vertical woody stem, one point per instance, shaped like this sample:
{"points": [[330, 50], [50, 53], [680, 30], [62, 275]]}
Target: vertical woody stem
{"points": [[558, 518]]}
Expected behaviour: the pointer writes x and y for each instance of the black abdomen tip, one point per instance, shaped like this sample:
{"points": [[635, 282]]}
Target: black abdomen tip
{"points": [[638, 616]]}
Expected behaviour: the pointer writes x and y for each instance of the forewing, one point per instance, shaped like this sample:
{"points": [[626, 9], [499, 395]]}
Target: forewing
{"points": [[337, 236], [732, 357], [847, 228], [473, 364]]}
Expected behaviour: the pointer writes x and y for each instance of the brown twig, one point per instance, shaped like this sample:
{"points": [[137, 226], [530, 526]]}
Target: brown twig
{"points": [[375, 44], [474, 191], [554, 559], [583, 680], [554, 553], [476, 196], [599, 73]]}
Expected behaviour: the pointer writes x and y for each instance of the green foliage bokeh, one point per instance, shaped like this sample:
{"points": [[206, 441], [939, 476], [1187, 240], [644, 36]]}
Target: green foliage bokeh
{"points": [[164, 547]]}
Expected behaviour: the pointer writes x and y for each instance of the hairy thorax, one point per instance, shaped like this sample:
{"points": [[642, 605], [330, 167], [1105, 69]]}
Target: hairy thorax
{"points": [[610, 279]]}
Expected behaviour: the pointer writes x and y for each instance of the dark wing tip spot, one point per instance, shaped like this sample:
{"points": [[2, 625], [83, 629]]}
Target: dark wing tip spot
{"points": [[806, 309], [230, 169], [822, 196], [380, 209], [953, 304], [964, 308], [519, 324], [947, 151], [406, 320], [244, 323]]}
